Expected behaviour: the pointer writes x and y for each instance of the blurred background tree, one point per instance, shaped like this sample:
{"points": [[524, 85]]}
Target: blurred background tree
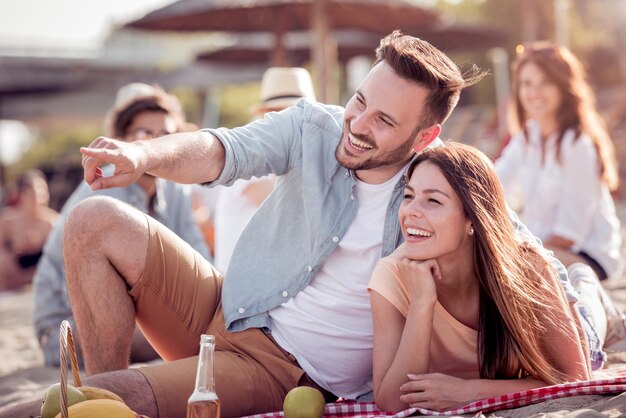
{"points": [[595, 28]]}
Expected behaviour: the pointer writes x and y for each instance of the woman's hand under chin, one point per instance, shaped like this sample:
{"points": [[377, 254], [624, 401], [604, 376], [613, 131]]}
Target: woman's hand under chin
{"points": [[422, 275]]}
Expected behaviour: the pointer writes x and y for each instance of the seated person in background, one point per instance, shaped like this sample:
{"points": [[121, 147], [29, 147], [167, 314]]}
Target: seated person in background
{"points": [[465, 308], [24, 229], [140, 111], [281, 87], [560, 168]]}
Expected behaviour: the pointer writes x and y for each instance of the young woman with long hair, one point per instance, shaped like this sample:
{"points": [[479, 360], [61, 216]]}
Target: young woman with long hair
{"points": [[559, 168], [465, 307]]}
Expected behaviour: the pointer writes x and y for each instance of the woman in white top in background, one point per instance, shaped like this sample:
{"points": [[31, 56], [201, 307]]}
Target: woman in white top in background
{"points": [[559, 169]]}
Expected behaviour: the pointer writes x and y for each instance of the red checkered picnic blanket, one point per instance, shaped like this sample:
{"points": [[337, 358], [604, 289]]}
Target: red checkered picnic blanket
{"points": [[605, 382]]}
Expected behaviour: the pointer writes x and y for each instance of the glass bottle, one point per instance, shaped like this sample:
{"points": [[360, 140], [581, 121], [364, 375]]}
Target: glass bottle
{"points": [[203, 402]]}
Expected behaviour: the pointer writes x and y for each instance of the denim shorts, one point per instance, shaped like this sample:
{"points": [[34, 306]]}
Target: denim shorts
{"points": [[49, 342], [596, 355]]}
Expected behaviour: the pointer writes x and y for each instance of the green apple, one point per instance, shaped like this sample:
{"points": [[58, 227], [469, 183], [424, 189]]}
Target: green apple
{"points": [[303, 402], [52, 401]]}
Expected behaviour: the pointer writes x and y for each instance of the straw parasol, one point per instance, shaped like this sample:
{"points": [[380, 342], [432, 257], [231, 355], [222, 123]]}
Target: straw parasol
{"points": [[257, 50], [279, 17]]}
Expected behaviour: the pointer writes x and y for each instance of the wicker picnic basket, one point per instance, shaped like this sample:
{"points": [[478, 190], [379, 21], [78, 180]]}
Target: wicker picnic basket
{"points": [[109, 405], [67, 349]]}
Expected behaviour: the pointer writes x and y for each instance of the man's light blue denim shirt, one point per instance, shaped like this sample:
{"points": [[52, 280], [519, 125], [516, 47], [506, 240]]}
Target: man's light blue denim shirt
{"points": [[172, 207], [301, 223]]}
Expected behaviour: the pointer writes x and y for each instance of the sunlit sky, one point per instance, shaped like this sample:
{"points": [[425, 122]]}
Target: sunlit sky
{"points": [[80, 24], [58, 24]]}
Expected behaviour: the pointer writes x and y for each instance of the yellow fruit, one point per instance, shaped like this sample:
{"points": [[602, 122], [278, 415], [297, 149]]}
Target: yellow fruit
{"points": [[304, 402], [99, 393], [99, 408], [52, 401]]}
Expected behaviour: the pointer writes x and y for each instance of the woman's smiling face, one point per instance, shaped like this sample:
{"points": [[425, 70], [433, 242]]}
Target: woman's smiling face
{"points": [[539, 96], [432, 218]]}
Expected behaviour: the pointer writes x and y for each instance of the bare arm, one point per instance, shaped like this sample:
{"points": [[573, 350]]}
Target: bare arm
{"points": [[558, 241], [402, 345], [190, 157], [438, 392]]}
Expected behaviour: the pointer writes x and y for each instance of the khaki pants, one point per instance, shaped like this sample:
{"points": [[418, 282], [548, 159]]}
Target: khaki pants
{"points": [[178, 298]]}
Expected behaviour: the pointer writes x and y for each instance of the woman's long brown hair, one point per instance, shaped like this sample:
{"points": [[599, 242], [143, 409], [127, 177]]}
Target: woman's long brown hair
{"points": [[517, 291], [577, 110]]}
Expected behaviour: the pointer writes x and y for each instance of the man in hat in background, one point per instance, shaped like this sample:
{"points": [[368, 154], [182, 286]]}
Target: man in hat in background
{"points": [[140, 111], [281, 87]]}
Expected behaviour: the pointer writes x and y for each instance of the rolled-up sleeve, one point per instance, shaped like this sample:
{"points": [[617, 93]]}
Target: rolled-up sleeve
{"points": [[271, 145]]}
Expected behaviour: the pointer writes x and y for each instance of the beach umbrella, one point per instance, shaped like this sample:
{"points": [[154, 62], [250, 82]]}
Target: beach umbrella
{"points": [[257, 50], [320, 17]]}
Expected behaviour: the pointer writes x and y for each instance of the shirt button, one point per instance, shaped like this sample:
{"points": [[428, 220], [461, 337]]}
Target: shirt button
{"points": [[241, 310], [310, 268], [335, 239], [285, 293], [351, 197], [347, 174]]}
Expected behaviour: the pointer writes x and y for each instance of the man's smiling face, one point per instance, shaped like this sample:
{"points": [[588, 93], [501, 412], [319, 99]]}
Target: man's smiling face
{"points": [[382, 124]]}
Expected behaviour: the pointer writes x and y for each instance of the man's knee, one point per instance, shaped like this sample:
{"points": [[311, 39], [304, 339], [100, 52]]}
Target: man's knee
{"points": [[94, 215]]}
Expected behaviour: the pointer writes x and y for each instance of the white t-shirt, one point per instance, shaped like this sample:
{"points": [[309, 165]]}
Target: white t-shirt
{"points": [[565, 198], [232, 213], [328, 325]]}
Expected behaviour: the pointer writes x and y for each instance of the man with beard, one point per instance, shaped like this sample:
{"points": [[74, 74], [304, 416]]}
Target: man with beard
{"points": [[294, 309]]}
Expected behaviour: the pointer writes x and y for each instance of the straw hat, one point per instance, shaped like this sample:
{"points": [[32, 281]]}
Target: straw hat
{"points": [[135, 92], [282, 87]]}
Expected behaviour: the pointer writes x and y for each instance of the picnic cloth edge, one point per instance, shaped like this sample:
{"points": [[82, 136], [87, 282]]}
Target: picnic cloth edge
{"points": [[608, 381]]}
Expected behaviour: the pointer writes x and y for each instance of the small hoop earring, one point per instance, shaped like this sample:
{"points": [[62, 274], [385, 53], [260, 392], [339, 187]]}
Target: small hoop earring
{"points": [[471, 230]]}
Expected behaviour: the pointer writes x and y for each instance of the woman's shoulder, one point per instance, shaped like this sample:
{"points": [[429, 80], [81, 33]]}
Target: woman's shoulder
{"points": [[386, 270], [388, 263], [391, 261], [574, 140]]}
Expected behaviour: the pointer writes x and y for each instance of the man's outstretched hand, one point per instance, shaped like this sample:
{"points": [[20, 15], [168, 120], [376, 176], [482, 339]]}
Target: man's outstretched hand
{"points": [[128, 159]]}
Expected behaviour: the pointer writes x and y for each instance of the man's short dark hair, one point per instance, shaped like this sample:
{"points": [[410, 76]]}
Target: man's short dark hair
{"points": [[417, 60]]}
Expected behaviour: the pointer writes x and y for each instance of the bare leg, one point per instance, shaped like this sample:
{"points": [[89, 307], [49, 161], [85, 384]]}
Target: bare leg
{"points": [[567, 257], [105, 245], [140, 349], [130, 385]]}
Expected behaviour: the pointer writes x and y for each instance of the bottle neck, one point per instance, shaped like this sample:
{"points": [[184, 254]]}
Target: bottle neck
{"points": [[204, 376]]}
